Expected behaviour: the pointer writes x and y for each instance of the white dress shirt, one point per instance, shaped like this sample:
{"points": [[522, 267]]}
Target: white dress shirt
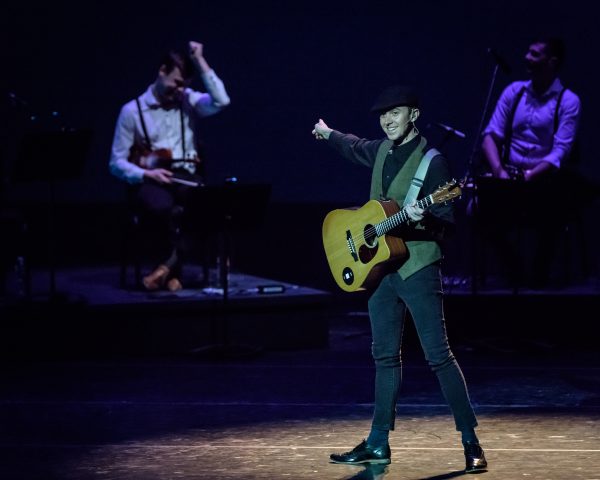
{"points": [[164, 126]]}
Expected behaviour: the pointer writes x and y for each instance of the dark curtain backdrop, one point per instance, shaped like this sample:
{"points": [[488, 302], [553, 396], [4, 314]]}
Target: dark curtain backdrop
{"points": [[285, 66]]}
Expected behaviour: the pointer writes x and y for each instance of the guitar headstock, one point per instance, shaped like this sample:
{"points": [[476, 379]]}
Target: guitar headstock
{"points": [[449, 191]]}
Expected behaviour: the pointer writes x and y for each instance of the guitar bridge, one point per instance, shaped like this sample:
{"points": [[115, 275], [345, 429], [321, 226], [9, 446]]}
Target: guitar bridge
{"points": [[351, 245]]}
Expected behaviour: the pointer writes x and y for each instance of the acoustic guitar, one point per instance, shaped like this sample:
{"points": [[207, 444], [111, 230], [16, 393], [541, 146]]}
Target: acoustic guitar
{"points": [[358, 249]]}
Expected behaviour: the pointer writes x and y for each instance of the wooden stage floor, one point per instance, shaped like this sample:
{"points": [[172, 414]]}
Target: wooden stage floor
{"points": [[278, 414]]}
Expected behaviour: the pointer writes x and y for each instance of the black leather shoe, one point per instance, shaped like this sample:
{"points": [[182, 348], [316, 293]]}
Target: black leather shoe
{"points": [[475, 458], [363, 453]]}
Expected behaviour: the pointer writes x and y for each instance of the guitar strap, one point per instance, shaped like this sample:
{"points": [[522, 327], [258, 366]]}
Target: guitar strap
{"points": [[417, 182]]}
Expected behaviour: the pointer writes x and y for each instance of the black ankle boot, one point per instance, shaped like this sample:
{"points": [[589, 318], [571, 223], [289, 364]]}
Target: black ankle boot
{"points": [[363, 453], [475, 458]]}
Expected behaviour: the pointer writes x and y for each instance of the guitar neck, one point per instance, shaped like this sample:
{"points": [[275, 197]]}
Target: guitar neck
{"points": [[400, 217]]}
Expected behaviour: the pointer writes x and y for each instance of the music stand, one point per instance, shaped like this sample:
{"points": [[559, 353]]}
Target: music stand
{"points": [[51, 156], [224, 209]]}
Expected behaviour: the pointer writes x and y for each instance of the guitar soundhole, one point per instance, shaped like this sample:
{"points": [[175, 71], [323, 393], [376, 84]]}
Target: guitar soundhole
{"points": [[348, 276], [367, 251], [370, 236]]}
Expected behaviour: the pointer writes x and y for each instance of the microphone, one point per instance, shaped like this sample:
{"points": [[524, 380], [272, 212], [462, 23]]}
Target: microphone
{"points": [[504, 66], [458, 133]]}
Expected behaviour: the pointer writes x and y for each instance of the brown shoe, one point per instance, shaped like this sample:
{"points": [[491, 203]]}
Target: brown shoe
{"points": [[156, 279], [174, 285]]}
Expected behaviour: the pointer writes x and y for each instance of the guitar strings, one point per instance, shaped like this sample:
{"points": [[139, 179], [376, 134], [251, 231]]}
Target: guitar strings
{"points": [[372, 230], [403, 215]]}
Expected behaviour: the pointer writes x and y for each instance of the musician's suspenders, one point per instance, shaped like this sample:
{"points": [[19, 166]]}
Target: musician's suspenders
{"points": [[508, 127], [509, 121], [145, 130]]}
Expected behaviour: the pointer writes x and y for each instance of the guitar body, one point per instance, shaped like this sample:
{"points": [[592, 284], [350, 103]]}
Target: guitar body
{"points": [[356, 256], [356, 241]]}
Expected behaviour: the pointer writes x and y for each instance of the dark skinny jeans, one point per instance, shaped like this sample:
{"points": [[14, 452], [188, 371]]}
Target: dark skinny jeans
{"points": [[421, 294]]}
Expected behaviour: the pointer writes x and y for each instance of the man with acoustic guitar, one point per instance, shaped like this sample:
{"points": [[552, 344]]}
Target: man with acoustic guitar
{"points": [[155, 149], [406, 169]]}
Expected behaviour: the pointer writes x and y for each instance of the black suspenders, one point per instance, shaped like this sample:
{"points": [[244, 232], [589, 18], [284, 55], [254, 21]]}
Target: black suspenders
{"points": [[145, 130], [508, 129]]}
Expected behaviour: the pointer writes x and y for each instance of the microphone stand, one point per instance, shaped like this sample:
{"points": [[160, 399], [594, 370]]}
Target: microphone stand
{"points": [[477, 142], [470, 181]]}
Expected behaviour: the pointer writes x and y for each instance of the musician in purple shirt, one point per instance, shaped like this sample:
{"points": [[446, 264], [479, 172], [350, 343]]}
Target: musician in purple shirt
{"points": [[535, 122], [529, 139]]}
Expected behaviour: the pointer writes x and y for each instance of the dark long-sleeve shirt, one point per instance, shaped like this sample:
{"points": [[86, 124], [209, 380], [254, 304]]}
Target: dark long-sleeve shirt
{"points": [[439, 218]]}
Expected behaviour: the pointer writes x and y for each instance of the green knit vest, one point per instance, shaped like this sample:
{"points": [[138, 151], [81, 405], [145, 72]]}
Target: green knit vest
{"points": [[420, 252]]}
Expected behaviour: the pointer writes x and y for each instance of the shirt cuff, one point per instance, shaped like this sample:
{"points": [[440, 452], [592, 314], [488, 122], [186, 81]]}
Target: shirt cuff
{"points": [[552, 159]]}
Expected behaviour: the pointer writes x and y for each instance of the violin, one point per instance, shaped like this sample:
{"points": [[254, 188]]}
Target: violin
{"points": [[159, 158]]}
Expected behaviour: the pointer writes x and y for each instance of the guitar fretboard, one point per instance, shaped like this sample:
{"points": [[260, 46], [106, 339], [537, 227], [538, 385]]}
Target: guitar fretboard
{"points": [[400, 217]]}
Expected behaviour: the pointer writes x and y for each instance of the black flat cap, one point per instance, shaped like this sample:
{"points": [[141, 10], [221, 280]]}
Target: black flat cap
{"points": [[396, 96]]}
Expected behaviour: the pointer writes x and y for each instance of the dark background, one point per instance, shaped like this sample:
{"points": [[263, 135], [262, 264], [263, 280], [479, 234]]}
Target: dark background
{"points": [[284, 66]]}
